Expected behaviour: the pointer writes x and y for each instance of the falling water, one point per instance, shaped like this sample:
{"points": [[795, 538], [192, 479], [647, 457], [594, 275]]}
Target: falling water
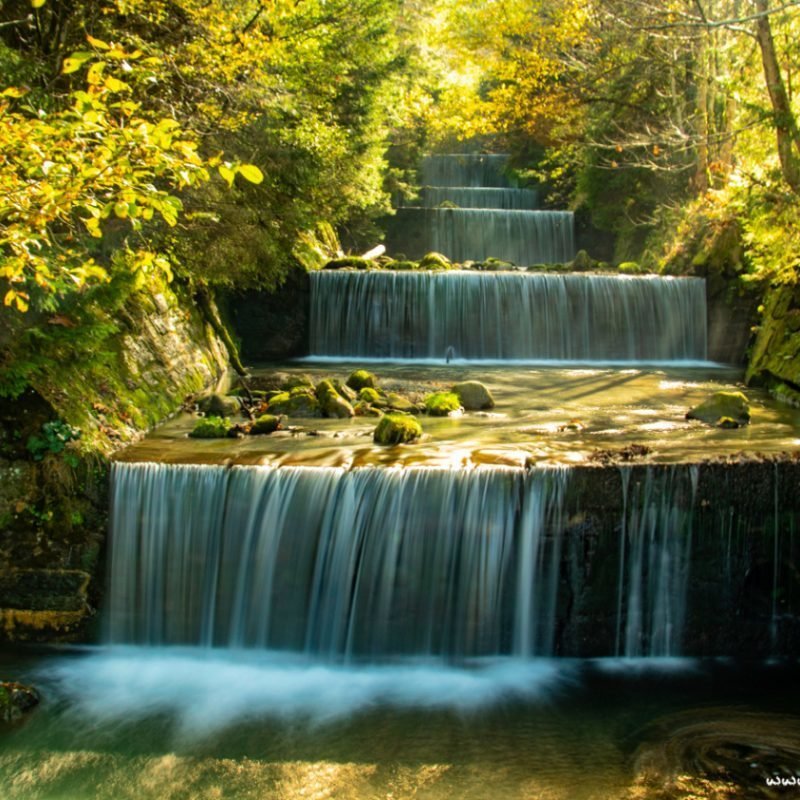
{"points": [[500, 316], [485, 197], [467, 169]]}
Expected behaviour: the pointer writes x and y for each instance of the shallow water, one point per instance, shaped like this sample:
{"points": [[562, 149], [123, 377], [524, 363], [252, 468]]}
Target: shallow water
{"points": [[543, 415], [143, 723]]}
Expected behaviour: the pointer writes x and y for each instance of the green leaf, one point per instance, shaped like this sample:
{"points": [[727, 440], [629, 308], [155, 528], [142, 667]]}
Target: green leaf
{"points": [[227, 174], [250, 172]]}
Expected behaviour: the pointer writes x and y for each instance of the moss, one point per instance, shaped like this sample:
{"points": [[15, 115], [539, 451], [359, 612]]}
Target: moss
{"points": [[493, 265], [350, 262], [211, 428], [298, 381], [299, 402], [369, 395], [630, 268], [399, 403], [582, 262], [361, 379], [732, 406], [435, 261], [440, 404], [403, 265], [265, 424], [362, 409], [397, 428], [473, 395], [331, 403]]}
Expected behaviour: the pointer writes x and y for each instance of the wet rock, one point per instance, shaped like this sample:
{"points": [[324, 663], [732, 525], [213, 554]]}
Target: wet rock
{"points": [[731, 405], [219, 405], [474, 395], [265, 424], [362, 409], [270, 382], [344, 390], [435, 261], [360, 379], [16, 700], [350, 262], [442, 404], [582, 262], [331, 403], [300, 402], [211, 428], [298, 382], [371, 396], [399, 403], [630, 452], [396, 429]]}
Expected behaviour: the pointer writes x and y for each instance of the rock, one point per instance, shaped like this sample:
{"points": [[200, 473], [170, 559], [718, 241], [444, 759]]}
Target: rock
{"points": [[582, 262], [265, 424], [630, 268], [474, 395], [399, 403], [435, 261], [494, 265], [361, 378], [344, 390], [731, 405], [271, 382], [371, 396], [362, 409], [349, 262], [300, 402], [727, 422], [397, 429], [441, 404], [219, 405], [211, 428], [403, 265], [331, 403], [15, 700], [298, 382]]}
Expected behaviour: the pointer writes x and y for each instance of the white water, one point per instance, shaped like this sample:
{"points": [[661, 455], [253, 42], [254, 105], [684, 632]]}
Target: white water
{"points": [[507, 316]]}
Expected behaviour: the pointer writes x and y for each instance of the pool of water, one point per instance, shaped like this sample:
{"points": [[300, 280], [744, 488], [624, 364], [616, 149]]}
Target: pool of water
{"points": [[543, 415], [179, 723]]}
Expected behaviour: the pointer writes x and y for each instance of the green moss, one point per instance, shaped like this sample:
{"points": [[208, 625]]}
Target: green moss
{"points": [[630, 268], [211, 428], [265, 424], [435, 261], [440, 404], [732, 406], [361, 379], [369, 395], [331, 401], [397, 428], [403, 265], [362, 409], [350, 262], [299, 402]]}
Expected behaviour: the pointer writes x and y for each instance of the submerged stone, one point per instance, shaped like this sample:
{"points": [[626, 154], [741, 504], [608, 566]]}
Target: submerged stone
{"points": [[211, 428], [15, 700], [265, 424], [474, 395], [732, 406], [397, 428], [441, 404]]}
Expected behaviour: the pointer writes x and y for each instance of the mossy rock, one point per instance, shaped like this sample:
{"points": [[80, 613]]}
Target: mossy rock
{"points": [[211, 428], [298, 403], [349, 262], [397, 429], [473, 395], [727, 422], [344, 390], [630, 268], [219, 405], [361, 379], [434, 261], [16, 700], [582, 262], [447, 204], [370, 395], [362, 409], [331, 403], [399, 403], [732, 406], [494, 265], [403, 265], [265, 424], [298, 382], [440, 404]]}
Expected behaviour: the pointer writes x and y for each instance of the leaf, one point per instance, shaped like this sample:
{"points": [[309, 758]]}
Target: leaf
{"points": [[121, 209], [19, 299], [75, 62], [98, 43], [37, 4], [13, 91], [227, 174], [250, 172]]}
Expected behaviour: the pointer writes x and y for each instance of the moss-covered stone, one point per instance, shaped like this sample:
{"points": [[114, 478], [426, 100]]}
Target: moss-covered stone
{"points": [[350, 262], [16, 700], [369, 395], [732, 406], [299, 402], [219, 405], [397, 429], [403, 265], [331, 403], [265, 424], [473, 395], [361, 379], [441, 404], [211, 428], [399, 403], [494, 265], [345, 391], [362, 409], [582, 262], [298, 382], [630, 268], [435, 261]]}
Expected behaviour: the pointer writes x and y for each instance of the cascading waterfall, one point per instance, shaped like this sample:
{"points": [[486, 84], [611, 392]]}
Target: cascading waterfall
{"points": [[494, 316], [371, 563], [470, 212]]}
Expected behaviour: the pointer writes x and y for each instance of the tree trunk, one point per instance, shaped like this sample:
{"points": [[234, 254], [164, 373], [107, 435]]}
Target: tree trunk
{"points": [[784, 121]]}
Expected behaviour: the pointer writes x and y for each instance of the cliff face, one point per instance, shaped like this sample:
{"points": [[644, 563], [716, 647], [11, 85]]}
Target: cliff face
{"points": [[55, 440]]}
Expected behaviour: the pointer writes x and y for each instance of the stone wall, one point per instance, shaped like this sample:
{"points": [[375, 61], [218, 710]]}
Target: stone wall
{"points": [[53, 511]]}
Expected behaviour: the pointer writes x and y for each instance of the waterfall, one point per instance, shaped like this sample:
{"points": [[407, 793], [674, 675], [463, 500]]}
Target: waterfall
{"points": [[521, 316], [371, 563], [471, 212]]}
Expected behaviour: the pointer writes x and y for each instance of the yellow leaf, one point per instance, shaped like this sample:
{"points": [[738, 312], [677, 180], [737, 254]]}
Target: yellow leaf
{"points": [[121, 210], [98, 43], [37, 4], [14, 91], [115, 85], [250, 172], [227, 174]]}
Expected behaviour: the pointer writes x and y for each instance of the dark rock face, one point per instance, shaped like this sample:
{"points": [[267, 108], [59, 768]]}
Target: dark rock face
{"points": [[273, 327]]}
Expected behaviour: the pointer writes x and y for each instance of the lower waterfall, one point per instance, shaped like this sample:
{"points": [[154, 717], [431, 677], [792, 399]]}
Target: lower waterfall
{"points": [[373, 563]]}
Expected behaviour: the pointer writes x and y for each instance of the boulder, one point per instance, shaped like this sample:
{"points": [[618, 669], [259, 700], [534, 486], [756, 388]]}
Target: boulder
{"points": [[211, 428], [399, 403], [361, 378], [434, 261], [331, 403], [732, 407], [300, 402], [298, 382], [344, 390], [265, 424], [219, 405], [15, 700], [441, 404], [397, 429], [269, 382], [362, 409], [474, 395]]}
